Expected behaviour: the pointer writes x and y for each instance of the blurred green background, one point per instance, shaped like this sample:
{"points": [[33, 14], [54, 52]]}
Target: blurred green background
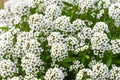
{"points": [[2, 3]]}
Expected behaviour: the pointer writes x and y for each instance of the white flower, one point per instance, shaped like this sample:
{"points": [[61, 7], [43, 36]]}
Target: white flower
{"points": [[87, 32], [3, 16], [63, 23], [115, 1], [78, 25], [99, 42], [100, 71], [30, 77], [84, 5], [54, 37], [101, 27], [58, 51], [7, 68], [36, 22], [54, 74], [16, 78], [84, 47], [115, 47], [26, 43], [56, 2], [21, 8], [114, 12], [76, 65], [84, 73], [6, 47], [52, 11], [71, 42], [31, 63], [115, 73]]}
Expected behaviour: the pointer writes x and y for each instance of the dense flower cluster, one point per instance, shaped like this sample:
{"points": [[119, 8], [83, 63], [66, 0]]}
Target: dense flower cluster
{"points": [[54, 74], [115, 46], [52, 11], [36, 21], [30, 77], [101, 27], [60, 40], [115, 73], [97, 71], [99, 42], [54, 37], [31, 63], [114, 12], [63, 23], [7, 68], [76, 65], [58, 51]]}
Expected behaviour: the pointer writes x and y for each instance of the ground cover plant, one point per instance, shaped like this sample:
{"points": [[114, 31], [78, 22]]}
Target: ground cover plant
{"points": [[60, 40]]}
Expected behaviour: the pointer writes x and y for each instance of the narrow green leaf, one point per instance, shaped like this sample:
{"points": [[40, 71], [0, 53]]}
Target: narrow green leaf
{"points": [[87, 56], [4, 28], [67, 65], [83, 60], [67, 4], [109, 62], [70, 59]]}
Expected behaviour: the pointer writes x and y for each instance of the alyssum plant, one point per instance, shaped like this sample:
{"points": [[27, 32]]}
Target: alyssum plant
{"points": [[60, 40]]}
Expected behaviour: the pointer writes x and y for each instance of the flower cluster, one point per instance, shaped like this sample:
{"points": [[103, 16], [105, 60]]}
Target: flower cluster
{"points": [[30, 77], [71, 43], [58, 51], [16, 78], [54, 74], [84, 73], [101, 27], [114, 12], [99, 42], [115, 46], [6, 41], [7, 68], [60, 40], [78, 25], [115, 73], [76, 65], [31, 63], [54, 37], [84, 5], [53, 11], [63, 23], [99, 71], [36, 21], [26, 43]]}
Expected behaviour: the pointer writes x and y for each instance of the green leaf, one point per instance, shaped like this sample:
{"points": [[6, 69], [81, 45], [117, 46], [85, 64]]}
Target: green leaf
{"points": [[25, 26], [42, 77], [67, 4], [48, 57], [14, 39], [4, 28], [87, 56], [67, 65], [109, 62], [70, 59], [83, 60], [32, 10]]}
